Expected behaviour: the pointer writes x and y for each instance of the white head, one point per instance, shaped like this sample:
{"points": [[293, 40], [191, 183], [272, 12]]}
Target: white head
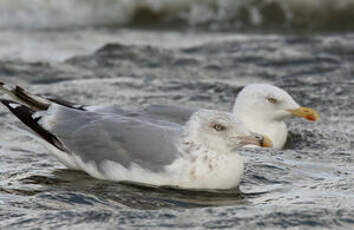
{"points": [[268, 102], [220, 132]]}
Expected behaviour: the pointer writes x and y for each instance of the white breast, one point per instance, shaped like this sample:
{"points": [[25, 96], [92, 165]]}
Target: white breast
{"points": [[275, 130], [208, 171]]}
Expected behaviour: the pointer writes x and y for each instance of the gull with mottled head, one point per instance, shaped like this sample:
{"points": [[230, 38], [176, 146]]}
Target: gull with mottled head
{"points": [[201, 154]]}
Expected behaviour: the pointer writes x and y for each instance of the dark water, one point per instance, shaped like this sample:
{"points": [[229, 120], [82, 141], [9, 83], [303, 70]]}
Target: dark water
{"points": [[61, 52], [309, 185]]}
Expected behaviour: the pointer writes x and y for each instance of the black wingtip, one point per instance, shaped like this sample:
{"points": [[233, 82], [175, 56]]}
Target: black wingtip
{"points": [[67, 103], [13, 106], [21, 93], [37, 102], [25, 114]]}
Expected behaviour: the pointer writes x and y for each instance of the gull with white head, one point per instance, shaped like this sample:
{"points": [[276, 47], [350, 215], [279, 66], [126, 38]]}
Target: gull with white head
{"points": [[264, 108], [201, 154]]}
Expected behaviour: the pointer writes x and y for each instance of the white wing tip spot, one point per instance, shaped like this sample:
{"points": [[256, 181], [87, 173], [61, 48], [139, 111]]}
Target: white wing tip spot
{"points": [[14, 105]]}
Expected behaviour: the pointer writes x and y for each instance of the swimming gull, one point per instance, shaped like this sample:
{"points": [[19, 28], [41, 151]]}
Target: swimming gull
{"points": [[263, 108], [199, 154]]}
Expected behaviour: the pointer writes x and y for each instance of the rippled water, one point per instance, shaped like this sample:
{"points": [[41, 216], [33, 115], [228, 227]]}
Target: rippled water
{"points": [[309, 185]]}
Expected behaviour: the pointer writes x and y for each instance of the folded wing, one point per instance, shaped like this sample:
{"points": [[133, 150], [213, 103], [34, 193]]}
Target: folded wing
{"points": [[97, 137]]}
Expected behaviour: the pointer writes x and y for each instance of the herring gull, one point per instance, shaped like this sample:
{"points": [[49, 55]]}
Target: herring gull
{"points": [[199, 154], [263, 108]]}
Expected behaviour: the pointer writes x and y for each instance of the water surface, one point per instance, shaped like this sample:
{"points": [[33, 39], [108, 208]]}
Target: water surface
{"points": [[308, 185]]}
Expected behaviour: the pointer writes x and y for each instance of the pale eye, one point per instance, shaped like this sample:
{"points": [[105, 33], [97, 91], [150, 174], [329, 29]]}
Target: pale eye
{"points": [[219, 127], [272, 100]]}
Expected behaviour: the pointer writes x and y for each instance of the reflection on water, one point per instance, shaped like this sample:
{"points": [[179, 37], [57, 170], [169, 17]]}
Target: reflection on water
{"points": [[67, 184]]}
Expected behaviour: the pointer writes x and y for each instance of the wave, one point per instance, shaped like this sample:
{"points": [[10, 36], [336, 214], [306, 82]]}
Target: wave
{"points": [[205, 14]]}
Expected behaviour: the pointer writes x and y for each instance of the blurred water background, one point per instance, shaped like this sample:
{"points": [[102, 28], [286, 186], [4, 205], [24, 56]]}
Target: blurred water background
{"points": [[191, 52]]}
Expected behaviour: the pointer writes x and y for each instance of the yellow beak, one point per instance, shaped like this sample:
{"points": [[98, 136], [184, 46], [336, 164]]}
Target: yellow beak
{"points": [[307, 113], [267, 142], [257, 139]]}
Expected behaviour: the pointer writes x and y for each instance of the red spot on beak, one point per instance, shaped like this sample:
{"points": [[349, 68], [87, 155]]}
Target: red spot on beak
{"points": [[310, 118]]}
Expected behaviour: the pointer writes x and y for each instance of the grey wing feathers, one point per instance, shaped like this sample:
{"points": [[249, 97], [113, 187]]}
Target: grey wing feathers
{"points": [[152, 113], [98, 137], [114, 109], [176, 114]]}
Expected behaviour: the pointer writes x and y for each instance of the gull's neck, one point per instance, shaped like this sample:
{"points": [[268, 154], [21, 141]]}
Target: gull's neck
{"points": [[192, 146], [275, 129]]}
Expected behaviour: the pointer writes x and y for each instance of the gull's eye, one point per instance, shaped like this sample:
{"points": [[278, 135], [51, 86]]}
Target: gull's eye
{"points": [[272, 100], [219, 127]]}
